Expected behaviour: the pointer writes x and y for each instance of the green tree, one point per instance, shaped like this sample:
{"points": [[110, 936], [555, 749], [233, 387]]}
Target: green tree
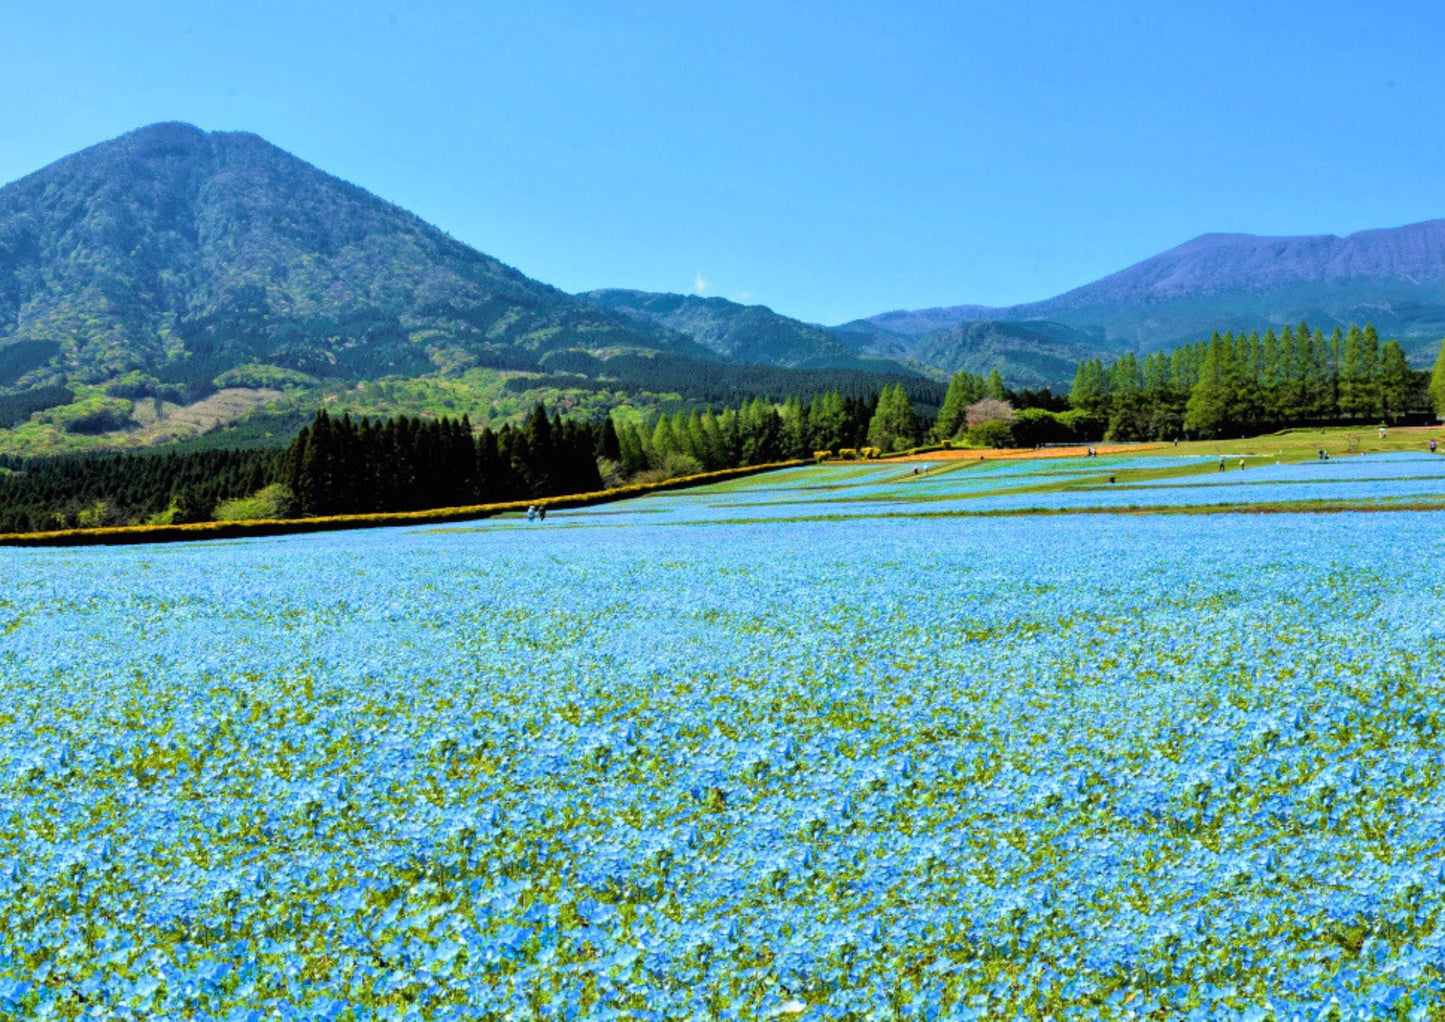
{"points": [[1397, 381], [1207, 411], [964, 389], [1437, 382], [894, 426], [1090, 392]]}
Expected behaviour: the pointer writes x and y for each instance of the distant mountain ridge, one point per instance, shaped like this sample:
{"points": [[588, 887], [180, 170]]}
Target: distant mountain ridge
{"points": [[741, 333], [172, 261], [1393, 277]]}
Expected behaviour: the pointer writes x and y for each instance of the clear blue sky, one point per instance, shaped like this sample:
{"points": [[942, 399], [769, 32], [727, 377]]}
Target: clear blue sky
{"points": [[831, 160]]}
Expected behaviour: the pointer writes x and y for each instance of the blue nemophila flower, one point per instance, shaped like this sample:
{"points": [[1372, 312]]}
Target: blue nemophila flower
{"points": [[894, 767]]}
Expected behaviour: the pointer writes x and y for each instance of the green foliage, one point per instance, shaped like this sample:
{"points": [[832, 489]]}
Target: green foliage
{"points": [[16, 408], [271, 502], [260, 375], [1241, 383], [964, 388], [93, 414], [1437, 383], [894, 426], [21, 357], [994, 433], [86, 491]]}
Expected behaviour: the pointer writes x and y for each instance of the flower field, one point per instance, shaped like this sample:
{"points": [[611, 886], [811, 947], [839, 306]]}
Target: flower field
{"points": [[774, 748]]}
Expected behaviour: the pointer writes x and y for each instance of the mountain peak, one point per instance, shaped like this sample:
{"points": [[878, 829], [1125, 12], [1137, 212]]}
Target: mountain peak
{"points": [[204, 251]]}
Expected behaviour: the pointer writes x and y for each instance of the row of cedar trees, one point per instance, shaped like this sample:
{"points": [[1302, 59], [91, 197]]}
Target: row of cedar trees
{"points": [[342, 466], [72, 492], [1240, 383]]}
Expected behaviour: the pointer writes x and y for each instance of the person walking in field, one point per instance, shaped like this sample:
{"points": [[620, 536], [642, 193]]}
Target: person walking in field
{"points": [[541, 512], [1432, 446], [531, 511], [1221, 463]]}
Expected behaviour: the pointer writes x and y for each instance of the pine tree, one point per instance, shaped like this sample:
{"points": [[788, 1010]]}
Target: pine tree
{"points": [[1207, 411], [1397, 381], [1090, 392], [961, 393], [894, 426], [608, 444], [1437, 382]]}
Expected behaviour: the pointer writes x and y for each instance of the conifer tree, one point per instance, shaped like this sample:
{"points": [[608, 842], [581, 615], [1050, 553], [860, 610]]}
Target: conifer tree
{"points": [[1397, 381], [1437, 382], [894, 426], [1090, 392], [963, 390], [1207, 411]]}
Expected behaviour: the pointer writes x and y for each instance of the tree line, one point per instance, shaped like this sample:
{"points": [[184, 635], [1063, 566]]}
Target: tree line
{"points": [[1242, 383], [337, 465], [340, 465], [87, 491]]}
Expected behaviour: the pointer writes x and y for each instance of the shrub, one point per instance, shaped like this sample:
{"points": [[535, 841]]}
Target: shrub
{"points": [[991, 434]]}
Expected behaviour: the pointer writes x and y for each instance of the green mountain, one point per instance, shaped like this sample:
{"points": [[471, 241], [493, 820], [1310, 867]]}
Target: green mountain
{"points": [[178, 254], [1031, 354], [1025, 354], [173, 280], [741, 333]]}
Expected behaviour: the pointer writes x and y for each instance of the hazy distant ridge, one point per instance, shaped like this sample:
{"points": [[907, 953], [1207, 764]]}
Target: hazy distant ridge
{"points": [[1394, 277]]}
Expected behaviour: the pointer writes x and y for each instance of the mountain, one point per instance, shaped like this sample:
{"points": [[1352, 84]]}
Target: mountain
{"points": [[146, 273], [1032, 354], [1394, 278], [178, 254], [740, 333]]}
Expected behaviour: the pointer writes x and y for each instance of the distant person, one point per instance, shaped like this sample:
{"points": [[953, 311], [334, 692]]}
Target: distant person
{"points": [[1432, 446], [1241, 464], [1176, 441], [1320, 454], [542, 513], [531, 512], [1221, 463]]}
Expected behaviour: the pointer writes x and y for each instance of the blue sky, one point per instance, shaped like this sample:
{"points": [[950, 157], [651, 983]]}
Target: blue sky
{"points": [[831, 160]]}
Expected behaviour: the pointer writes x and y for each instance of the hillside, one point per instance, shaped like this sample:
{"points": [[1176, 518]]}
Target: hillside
{"points": [[1394, 278], [739, 333], [180, 254], [141, 275], [1027, 354]]}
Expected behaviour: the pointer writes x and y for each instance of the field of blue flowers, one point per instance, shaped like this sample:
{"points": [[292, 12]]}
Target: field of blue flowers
{"points": [[701, 756]]}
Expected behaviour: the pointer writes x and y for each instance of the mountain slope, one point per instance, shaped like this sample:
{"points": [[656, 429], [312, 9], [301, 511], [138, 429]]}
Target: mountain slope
{"points": [[739, 333], [176, 254], [1026, 354], [1030, 354], [1394, 278]]}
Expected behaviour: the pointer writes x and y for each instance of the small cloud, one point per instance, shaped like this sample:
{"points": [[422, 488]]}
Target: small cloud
{"points": [[699, 283]]}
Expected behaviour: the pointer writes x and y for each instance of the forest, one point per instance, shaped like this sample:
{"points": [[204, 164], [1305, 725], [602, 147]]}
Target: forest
{"points": [[1237, 384]]}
